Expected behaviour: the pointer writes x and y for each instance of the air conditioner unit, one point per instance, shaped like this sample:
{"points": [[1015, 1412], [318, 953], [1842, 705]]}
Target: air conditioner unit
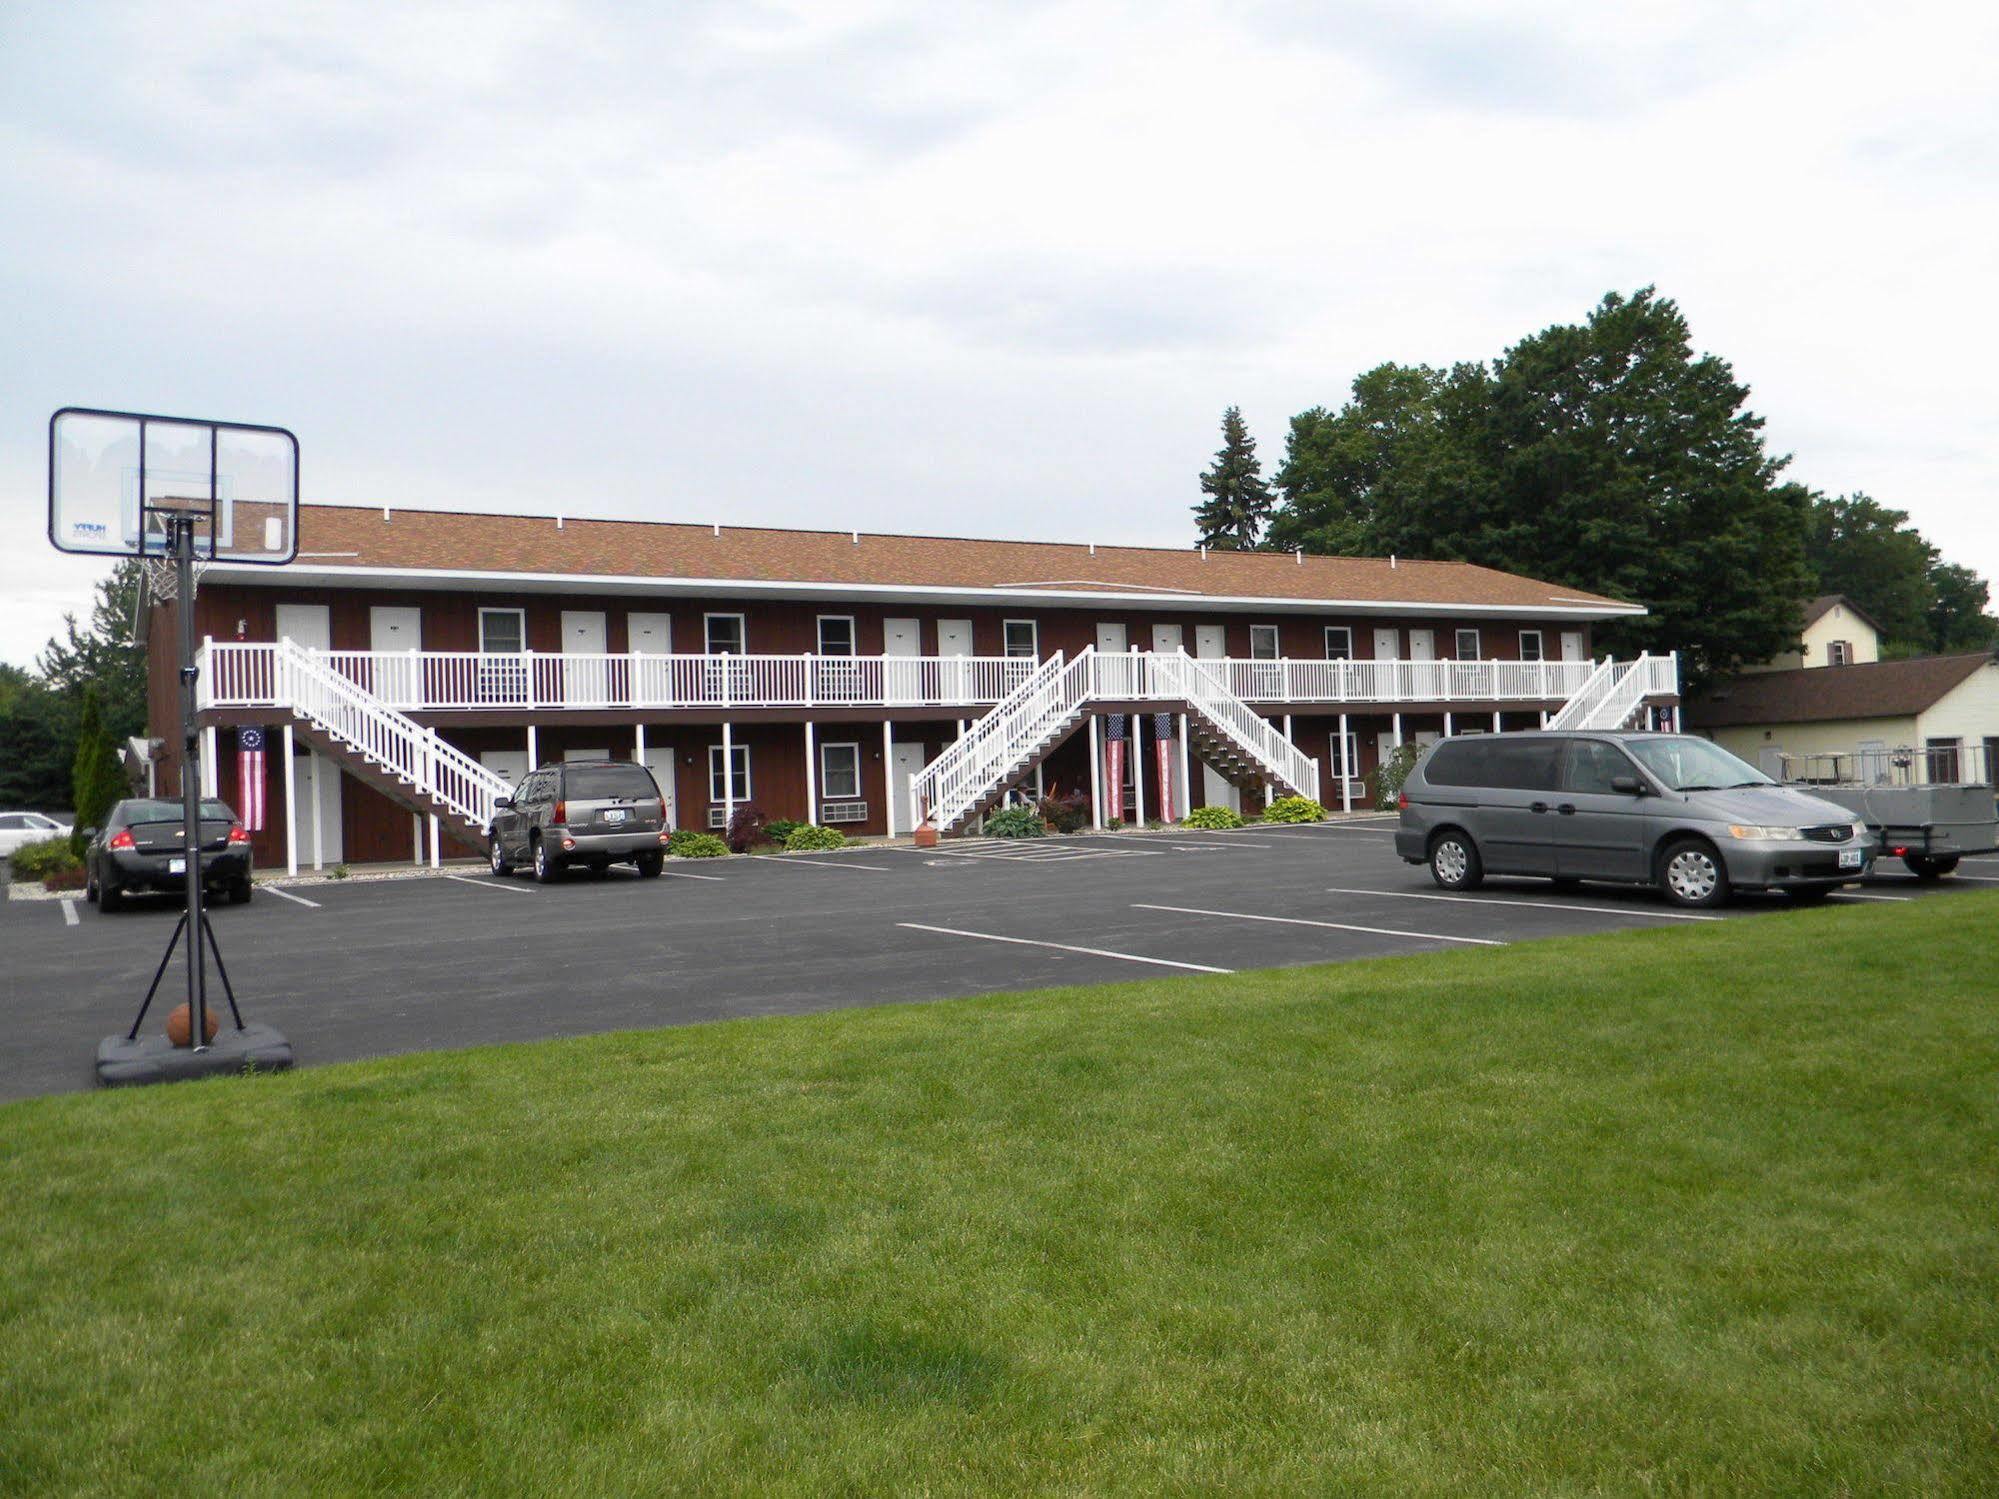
{"points": [[834, 812]]}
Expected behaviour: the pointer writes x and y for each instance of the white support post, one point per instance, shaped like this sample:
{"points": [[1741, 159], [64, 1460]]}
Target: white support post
{"points": [[291, 806], [1544, 718], [638, 744], [534, 758], [888, 773], [436, 845], [728, 774], [1398, 731], [1096, 779], [1447, 724], [1495, 721], [1039, 790], [1138, 769], [811, 776], [1186, 798], [416, 838], [319, 765], [1346, 770], [211, 768]]}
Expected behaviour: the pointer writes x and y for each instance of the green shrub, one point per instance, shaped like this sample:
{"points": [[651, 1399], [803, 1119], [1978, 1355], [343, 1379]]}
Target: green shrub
{"points": [[1214, 817], [805, 838], [780, 829], [1391, 773], [32, 862], [1294, 809], [341, 871], [688, 844], [1016, 822]]}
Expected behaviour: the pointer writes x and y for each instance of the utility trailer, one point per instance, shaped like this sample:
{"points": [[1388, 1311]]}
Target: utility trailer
{"points": [[1921, 809]]}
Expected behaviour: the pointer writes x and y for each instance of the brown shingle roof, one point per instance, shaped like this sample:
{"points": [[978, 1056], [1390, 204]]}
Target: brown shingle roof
{"points": [[332, 537], [1878, 689], [1818, 607]]}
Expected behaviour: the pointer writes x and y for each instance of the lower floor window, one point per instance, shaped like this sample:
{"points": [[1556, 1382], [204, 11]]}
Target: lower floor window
{"points": [[721, 789], [839, 772]]}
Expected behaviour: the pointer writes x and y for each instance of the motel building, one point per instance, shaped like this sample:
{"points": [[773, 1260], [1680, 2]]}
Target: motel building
{"points": [[412, 665]]}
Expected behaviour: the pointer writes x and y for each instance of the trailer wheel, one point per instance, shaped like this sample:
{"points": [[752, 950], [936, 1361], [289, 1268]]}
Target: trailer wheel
{"points": [[1928, 867]]}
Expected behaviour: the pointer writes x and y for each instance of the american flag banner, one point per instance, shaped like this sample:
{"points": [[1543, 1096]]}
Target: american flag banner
{"points": [[1114, 766], [1162, 748], [250, 778]]}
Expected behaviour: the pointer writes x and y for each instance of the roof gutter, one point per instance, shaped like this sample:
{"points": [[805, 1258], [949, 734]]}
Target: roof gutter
{"points": [[466, 580]]}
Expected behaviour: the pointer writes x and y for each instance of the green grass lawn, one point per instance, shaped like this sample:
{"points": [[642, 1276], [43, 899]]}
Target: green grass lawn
{"points": [[1701, 1210]]}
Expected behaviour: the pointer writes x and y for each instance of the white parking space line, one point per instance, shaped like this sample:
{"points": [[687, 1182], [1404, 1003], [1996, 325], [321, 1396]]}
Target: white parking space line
{"points": [[809, 864], [1094, 952], [1309, 829], [1856, 895], [1177, 839], [676, 874], [297, 900], [1545, 905], [488, 884], [69, 913], [1336, 926]]}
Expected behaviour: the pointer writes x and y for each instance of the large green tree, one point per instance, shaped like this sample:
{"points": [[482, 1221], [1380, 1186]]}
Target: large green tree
{"points": [[104, 655], [1870, 553], [1238, 500], [1605, 455], [96, 777], [35, 743]]}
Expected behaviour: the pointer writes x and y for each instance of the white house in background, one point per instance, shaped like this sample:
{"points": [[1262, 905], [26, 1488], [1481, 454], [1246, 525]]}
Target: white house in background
{"points": [[1837, 632]]}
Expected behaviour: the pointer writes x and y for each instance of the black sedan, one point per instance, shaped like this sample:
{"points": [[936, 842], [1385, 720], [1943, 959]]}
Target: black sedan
{"points": [[142, 846]]}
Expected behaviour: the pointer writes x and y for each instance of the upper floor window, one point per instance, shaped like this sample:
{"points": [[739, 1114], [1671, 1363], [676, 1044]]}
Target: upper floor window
{"points": [[836, 634], [1839, 653], [502, 632], [1339, 642], [1468, 646], [725, 634], [1263, 642], [1530, 646], [1022, 639]]}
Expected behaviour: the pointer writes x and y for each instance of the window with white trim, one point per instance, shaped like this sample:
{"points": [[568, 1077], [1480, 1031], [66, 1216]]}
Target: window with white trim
{"points": [[839, 772], [1530, 646], [503, 632], [1022, 638], [739, 756], [1468, 648], [1263, 642], [836, 634], [1339, 642], [725, 634]]}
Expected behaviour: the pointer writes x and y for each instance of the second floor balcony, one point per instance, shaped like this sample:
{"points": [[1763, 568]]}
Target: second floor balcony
{"points": [[243, 674]]}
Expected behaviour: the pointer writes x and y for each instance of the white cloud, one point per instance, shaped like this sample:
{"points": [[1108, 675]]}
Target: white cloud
{"points": [[938, 267]]}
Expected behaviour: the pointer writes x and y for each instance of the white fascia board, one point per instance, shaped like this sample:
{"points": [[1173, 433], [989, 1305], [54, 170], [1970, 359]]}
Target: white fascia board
{"points": [[466, 580]]}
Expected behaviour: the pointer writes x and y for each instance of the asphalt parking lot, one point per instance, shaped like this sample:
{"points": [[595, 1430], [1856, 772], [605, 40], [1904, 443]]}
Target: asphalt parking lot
{"points": [[366, 968]]}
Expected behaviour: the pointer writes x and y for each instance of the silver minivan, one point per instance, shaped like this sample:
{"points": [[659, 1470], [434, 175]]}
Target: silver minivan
{"points": [[1669, 810]]}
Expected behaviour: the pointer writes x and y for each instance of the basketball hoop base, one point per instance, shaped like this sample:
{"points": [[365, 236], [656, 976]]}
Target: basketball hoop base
{"points": [[127, 1062]]}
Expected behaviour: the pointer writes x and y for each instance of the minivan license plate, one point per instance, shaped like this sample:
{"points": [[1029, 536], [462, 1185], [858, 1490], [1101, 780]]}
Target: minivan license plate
{"points": [[1849, 858], [176, 866], [614, 815]]}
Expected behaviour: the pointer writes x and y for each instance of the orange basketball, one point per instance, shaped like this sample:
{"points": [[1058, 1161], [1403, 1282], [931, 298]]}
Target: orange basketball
{"points": [[179, 1027]]}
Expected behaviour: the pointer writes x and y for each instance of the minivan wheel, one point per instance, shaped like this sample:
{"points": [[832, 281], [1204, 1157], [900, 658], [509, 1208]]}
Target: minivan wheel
{"points": [[1454, 861], [544, 867], [502, 865], [1692, 874]]}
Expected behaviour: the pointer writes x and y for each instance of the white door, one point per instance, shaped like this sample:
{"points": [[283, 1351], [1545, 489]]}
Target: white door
{"points": [[397, 631], [659, 760], [909, 760], [511, 764], [902, 672], [1387, 644], [1211, 642], [1118, 678], [954, 637], [1422, 645], [649, 635], [959, 682], [309, 625], [1112, 637], [1169, 638], [318, 788], [1572, 645], [585, 672], [586, 754]]}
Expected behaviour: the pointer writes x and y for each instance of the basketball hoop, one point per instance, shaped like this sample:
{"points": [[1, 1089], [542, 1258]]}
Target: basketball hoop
{"points": [[163, 577]]}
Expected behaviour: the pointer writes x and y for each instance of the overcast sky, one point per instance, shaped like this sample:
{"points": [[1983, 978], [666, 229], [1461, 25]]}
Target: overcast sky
{"points": [[992, 271]]}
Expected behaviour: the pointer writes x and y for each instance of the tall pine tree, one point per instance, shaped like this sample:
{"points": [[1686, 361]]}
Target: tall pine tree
{"points": [[1238, 501], [96, 779]]}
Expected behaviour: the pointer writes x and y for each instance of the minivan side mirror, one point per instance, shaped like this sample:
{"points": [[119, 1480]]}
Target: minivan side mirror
{"points": [[502, 803], [1629, 785]]}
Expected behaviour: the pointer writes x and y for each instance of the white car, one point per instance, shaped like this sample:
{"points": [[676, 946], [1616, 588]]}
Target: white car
{"points": [[17, 828]]}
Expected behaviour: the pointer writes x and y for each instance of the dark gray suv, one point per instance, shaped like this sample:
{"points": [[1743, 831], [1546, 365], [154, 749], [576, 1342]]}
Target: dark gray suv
{"points": [[595, 813], [1670, 810]]}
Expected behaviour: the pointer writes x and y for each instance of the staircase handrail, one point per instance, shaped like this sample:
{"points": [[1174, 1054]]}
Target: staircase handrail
{"points": [[1256, 734], [349, 711], [1583, 701], [949, 785]]}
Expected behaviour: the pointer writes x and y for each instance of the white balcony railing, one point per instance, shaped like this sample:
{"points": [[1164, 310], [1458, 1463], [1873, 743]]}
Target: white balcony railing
{"points": [[241, 674]]}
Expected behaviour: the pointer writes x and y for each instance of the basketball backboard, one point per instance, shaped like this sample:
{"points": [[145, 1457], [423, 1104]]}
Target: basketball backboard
{"points": [[115, 477]]}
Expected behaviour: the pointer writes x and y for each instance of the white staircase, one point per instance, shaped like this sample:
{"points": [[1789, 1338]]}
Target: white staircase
{"points": [[407, 760], [1037, 716], [1615, 693]]}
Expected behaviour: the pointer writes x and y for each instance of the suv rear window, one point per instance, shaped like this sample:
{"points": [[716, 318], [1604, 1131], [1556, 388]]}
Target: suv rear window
{"points": [[590, 783], [1502, 764]]}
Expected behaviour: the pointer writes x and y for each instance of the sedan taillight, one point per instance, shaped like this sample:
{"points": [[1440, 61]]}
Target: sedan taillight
{"points": [[122, 839], [236, 833]]}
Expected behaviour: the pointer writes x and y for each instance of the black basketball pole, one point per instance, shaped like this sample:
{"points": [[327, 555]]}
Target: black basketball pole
{"points": [[190, 783]]}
